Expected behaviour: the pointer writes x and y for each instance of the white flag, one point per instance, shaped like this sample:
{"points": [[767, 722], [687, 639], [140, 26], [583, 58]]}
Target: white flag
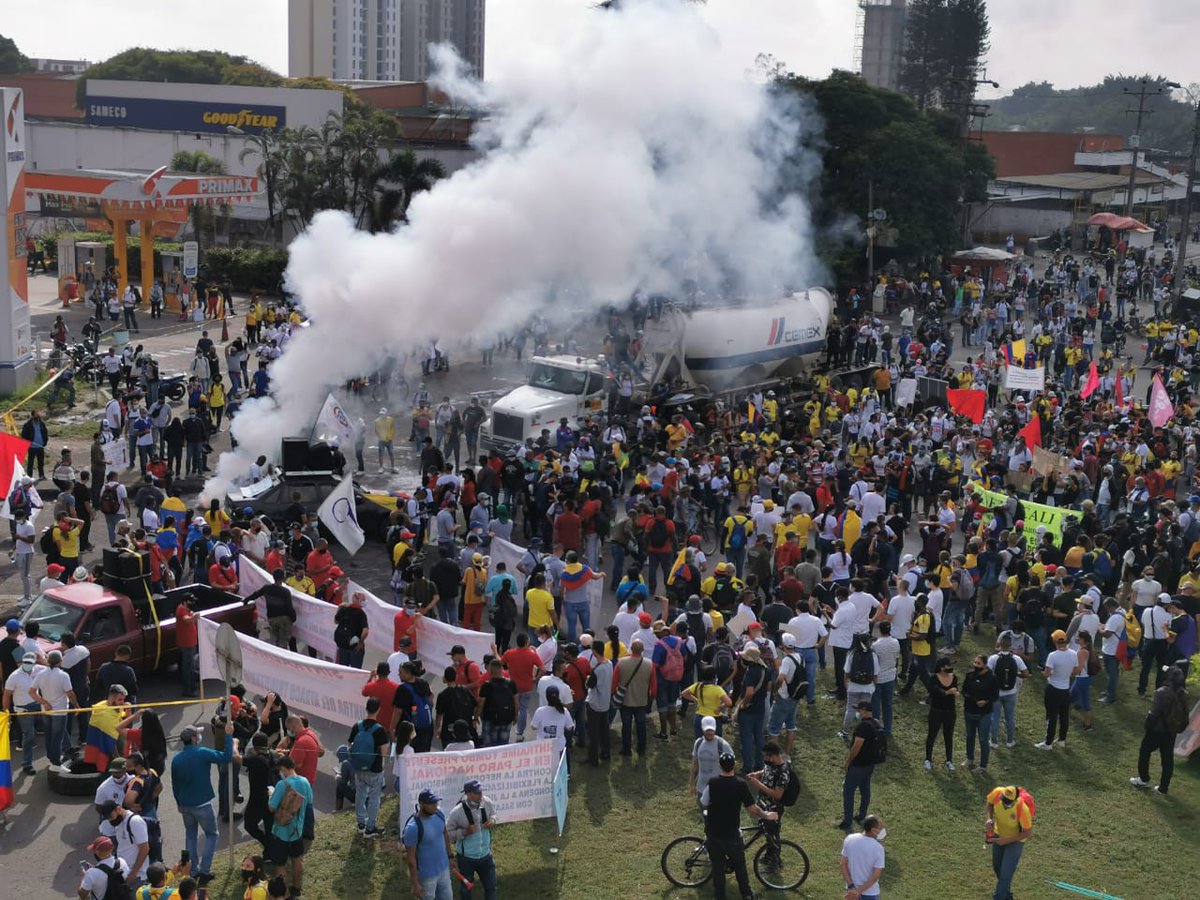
{"points": [[337, 512], [34, 499], [332, 422]]}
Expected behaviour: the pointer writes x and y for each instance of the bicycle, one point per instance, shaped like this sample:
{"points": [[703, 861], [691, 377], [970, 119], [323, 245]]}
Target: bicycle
{"points": [[786, 871]]}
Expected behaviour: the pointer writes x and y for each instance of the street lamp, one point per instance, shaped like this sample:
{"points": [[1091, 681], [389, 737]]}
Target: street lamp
{"points": [[1185, 223], [1135, 142]]}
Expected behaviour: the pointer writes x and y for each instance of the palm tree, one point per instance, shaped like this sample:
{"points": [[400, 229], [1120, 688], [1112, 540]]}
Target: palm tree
{"points": [[395, 183], [202, 164], [267, 145]]}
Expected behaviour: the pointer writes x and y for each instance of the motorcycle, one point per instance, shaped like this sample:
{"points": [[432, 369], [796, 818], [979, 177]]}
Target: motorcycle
{"points": [[173, 387]]}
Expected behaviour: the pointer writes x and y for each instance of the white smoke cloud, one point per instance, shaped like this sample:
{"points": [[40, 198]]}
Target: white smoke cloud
{"points": [[625, 153]]}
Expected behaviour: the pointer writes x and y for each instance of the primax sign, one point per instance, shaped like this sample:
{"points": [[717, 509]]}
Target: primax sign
{"points": [[183, 115]]}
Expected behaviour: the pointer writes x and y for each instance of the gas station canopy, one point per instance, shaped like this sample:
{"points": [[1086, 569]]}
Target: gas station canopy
{"points": [[142, 192]]}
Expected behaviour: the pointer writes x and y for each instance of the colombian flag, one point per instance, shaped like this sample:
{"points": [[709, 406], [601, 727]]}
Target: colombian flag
{"points": [[677, 565], [102, 734], [1017, 351], [6, 782]]}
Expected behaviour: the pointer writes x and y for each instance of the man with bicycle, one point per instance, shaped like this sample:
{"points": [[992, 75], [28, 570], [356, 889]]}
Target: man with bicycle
{"points": [[724, 799], [771, 781]]}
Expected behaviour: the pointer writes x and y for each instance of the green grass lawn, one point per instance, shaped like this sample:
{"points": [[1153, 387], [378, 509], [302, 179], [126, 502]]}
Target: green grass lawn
{"points": [[1092, 828]]}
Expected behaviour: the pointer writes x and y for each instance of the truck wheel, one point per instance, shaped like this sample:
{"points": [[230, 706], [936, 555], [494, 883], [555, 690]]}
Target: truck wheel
{"points": [[75, 784]]}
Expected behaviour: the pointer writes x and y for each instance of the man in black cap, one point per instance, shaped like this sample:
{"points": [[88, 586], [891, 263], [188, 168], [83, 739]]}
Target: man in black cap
{"points": [[469, 826], [427, 848]]}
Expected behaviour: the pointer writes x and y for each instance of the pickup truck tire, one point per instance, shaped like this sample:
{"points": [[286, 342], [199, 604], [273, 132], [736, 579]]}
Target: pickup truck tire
{"points": [[71, 784]]}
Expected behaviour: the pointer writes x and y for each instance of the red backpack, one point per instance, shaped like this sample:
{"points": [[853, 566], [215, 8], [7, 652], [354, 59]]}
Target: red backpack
{"points": [[672, 668]]}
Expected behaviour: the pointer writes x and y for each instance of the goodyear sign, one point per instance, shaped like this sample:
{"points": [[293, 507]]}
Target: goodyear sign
{"points": [[183, 115]]}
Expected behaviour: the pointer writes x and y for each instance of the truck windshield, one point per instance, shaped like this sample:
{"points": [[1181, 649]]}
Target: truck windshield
{"points": [[54, 617], [552, 378]]}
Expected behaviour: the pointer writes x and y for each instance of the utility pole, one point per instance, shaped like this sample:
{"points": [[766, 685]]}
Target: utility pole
{"points": [[1135, 139], [1186, 223], [871, 232]]}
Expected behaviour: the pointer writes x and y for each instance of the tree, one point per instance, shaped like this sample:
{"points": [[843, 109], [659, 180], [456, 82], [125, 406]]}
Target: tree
{"points": [[177, 66], [267, 146], [944, 41], [395, 183], [12, 60], [203, 164]]}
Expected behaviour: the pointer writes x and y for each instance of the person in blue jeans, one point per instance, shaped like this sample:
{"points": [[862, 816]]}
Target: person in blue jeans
{"points": [[860, 765], [16, 692], [368, 769], [191, 783], [1009, 668], [469, 826], [756, 685], [792, 677], [427, 848]]}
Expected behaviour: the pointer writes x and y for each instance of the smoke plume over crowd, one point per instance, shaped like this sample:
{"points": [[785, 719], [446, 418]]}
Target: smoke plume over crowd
{"points": [[624, 154]]}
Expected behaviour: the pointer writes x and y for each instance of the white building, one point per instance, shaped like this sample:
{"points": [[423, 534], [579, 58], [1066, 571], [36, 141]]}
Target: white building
{"points": [[64, 66], [880, 41], [380, 40]]}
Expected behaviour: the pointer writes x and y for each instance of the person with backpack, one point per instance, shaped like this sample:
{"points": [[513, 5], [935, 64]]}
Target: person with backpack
{"points": [[497, 706], [350, 633], [778, 788], [737, 530], [659, 535], [431, 857], [668, 658], [1009, 668], [367, 741], [868, 748], [106, 879], [861, 668], [1167, 718], [128, 831], [790, 684], [1008, 824], [980, 690], [469, 827], [290, 801]]}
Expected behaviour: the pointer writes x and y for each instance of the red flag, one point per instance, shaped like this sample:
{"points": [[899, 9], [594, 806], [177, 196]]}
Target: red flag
{"points": [[10, 447], [969, 403], [1120, 389], [1093, 382], [1032, 432]]}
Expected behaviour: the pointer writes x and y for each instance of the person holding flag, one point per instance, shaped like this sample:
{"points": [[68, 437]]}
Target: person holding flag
{"points": [[109, 721]]}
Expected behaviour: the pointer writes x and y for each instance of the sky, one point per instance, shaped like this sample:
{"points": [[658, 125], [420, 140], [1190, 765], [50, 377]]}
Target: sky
{"points": [[1032, 40]]}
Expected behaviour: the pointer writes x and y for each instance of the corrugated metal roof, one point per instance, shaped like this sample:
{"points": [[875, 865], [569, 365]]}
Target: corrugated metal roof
{"points": [[1079, 181]]}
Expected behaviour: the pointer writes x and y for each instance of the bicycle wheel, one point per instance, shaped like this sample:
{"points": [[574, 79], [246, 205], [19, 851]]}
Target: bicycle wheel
{"points": [[710, 537], [685, 862], [788, 872]]}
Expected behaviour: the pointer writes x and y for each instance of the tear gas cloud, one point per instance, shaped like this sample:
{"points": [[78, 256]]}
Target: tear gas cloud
{"points": [[623, 154]]}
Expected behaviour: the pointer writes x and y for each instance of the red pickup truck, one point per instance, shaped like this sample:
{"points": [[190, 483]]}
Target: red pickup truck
{"points": [[103, 619]]}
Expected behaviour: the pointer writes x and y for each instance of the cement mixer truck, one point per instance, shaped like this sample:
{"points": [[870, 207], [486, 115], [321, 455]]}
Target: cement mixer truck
{"points": [[708, 352]]}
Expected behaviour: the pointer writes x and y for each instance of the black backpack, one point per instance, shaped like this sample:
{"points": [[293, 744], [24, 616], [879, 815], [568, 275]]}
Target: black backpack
{"points": [[862, 667], [1006, 671], [799, 677], [881, 743], [504, 613], [791, 790], [501, 701], [117, 888], [696, 630]]}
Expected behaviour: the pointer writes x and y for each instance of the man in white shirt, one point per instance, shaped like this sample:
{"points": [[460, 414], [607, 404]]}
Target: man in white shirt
{"points": [[862, 859], [1144, 592], [900, 612], [873, 506], [1156, 622], [1110, 640], [809, 634], [937, 600], [554, 679], [114, 786], [17, 696], [887, 651], [131, 836], [52, 689], [1061, 666], [864, 605], [1009, 677], [94, 885], [841, 638], [911, 572], [793, 674], [26, 537]]}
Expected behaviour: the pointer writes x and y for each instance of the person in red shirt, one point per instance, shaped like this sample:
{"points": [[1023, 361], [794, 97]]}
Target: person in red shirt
{"points": [[274, 558], [382, 688], [789, 553], [304, 746], [319, 564], [222, 576], [524, 668], [466, 672], [187, 639], [160, 572], [568, 527], [660, 551], [576, 674], [404, 625]]}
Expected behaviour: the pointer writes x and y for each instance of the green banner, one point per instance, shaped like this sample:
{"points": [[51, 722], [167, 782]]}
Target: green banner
{"points": [[1037, 515]]}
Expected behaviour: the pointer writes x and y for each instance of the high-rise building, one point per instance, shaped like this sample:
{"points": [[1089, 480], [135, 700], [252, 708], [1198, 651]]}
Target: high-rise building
{"points": [[380, 40], [879, 43]]}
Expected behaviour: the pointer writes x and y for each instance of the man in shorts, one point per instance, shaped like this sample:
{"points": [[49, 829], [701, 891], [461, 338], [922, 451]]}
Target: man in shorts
{"points": [[286, 846]]}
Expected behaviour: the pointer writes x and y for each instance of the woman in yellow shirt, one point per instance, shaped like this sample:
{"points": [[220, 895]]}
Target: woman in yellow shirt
{"points": [[710, 698], [216, 400], [613, 643]]}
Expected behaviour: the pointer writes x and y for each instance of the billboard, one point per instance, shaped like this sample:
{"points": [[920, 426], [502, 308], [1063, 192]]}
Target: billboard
{"points": [[16, 361], [184, 115]]}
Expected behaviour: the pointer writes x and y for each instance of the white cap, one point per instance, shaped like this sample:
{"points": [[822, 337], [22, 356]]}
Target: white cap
{"points": [[1164, 598], [789, 640], [708, 723], [907, 558]]}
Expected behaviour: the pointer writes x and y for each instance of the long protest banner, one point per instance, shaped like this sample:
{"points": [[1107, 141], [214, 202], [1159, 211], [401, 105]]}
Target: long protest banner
{"points": [[517, 778], [1037, 515], [1018, 379], [308, 686], [314, 618]]}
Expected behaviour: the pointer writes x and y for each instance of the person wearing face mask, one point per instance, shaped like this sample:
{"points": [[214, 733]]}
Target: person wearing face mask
{"points": [[18, 696], [131, 836], [469, 827], [980, 691], [862, 859], [1008, 825], [115, 785], [254, 879], [868, 748], [94, 885]]}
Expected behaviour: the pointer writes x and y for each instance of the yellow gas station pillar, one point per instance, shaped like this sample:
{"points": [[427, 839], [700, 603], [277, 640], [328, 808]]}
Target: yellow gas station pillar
{"points": [[147, 228], [120, 251]]}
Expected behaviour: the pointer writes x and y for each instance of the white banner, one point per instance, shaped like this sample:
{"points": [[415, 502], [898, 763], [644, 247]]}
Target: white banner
{"points": [[517, 778], [314, 625], [906, 392], [434, 640], [511, 555], [1018, 379], [116, 454], [311, 687]]}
